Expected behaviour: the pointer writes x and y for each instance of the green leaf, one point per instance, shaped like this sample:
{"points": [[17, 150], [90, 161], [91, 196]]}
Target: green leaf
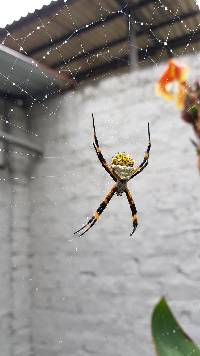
{"points": [[193, 111], [168, 336]]}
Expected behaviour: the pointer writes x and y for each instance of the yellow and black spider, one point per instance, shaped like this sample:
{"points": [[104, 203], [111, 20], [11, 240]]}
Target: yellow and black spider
{"points": [[121, 170]]}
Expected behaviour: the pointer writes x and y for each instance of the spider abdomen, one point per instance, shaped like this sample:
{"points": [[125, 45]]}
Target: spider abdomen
{"points": [[123, 159], [122, 172], [122, 165]]}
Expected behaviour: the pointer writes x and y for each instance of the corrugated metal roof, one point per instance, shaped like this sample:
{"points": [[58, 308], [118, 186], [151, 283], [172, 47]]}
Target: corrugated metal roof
{"points": [[85, 38]]}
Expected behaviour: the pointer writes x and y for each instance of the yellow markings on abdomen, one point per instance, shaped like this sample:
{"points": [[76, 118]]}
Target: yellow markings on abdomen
{"points": [[123, 159]]}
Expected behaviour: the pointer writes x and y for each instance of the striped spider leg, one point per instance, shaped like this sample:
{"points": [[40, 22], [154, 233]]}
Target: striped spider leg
{"points": [[145, 161], [100, 156], [106, 200], [133, 210], [98, 212], [138, 170]]}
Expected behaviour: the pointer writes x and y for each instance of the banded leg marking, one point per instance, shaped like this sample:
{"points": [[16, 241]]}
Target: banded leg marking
{"points": [[100, 155], [133, 210], [146, 157], [98, 212]]}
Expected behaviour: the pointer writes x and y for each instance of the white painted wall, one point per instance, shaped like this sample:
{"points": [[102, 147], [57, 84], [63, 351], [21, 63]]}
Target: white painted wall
{"points": [[15, 251], [95, 295]]}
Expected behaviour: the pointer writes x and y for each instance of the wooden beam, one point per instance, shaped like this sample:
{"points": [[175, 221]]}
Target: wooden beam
{"points": [[123, 61], [100, 48], [115, 64], [177, 42], [102, 69], [97, 49], [75, 33], [87, 27], [162, 24], [94, 51]]}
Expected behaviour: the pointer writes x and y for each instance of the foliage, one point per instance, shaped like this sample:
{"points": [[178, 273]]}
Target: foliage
{"points": [[168, 336]]}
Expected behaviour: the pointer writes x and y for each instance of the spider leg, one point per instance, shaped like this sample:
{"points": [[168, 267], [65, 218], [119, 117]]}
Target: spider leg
{"points": [[98, 212], [145, 161], [99, 154], [133, 210]]}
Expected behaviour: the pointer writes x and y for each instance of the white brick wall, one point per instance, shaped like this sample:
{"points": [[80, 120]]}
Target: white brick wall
{"points": [[95, 295], [5, 300], [15, 252]]}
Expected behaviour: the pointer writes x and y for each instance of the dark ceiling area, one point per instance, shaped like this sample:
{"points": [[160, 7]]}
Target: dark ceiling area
{"points": [[88, 38]]}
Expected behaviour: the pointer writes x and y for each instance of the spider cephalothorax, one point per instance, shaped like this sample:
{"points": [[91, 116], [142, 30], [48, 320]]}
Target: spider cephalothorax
{"points": [[121, 170]]}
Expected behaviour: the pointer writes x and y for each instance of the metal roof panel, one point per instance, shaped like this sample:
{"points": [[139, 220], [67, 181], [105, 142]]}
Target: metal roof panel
{"points": [[23, 76]]}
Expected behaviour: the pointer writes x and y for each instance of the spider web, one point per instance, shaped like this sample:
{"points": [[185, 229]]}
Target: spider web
{"points": [[147, 59], [43, 103], [152, 36]]}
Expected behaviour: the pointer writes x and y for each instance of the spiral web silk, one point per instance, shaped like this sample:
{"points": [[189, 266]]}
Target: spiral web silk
{"points": [[152, 36]]}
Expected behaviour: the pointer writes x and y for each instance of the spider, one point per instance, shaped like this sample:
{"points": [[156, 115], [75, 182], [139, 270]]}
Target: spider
{"points": [[121, 170]]}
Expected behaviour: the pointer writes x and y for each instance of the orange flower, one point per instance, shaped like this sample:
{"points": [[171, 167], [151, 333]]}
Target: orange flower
{"points": [[173, 73]]}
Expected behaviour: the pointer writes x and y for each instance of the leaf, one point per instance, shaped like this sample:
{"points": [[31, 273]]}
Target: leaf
{"points": [[193, 111], [168, 336]]}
